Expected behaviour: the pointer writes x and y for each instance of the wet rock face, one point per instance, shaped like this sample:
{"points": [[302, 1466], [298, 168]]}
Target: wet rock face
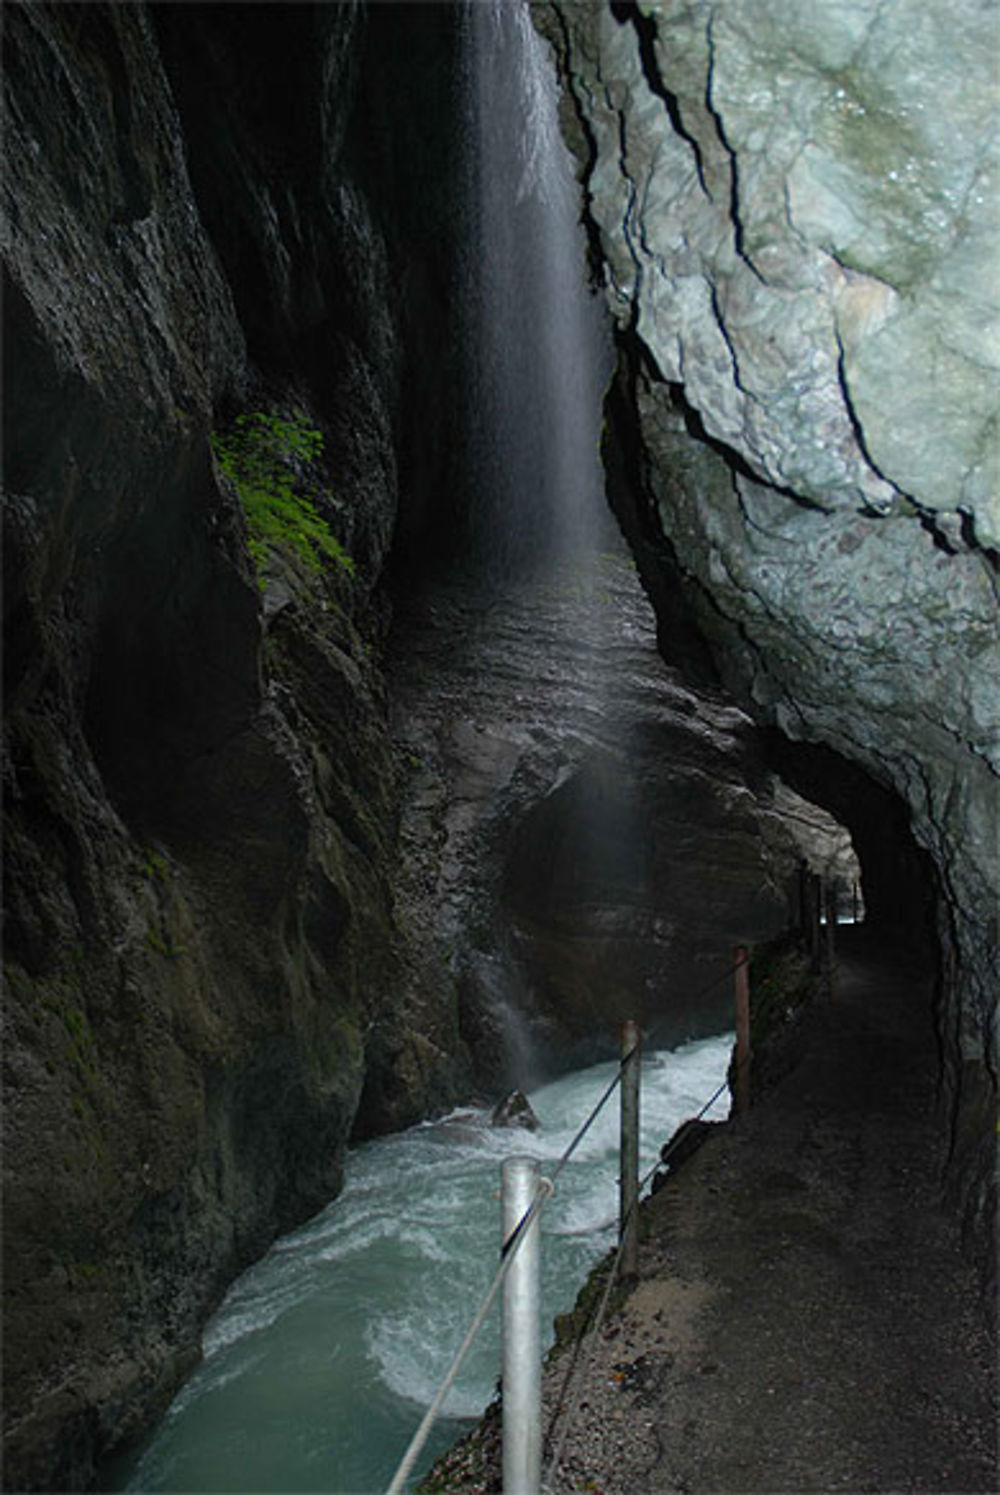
{"points": [[514, 1111], [584, 837], [198, 787], [810, 189], [794, 209]]}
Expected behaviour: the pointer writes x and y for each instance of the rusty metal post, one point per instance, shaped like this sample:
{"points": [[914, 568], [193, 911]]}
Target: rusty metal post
{"points": [[742, 985], [628, 1190], [815, 918], [830, 943]]}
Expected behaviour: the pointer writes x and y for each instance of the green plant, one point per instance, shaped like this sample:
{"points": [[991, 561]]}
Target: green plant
{"points": [[162, 944], [268, 459], [155, 867]]}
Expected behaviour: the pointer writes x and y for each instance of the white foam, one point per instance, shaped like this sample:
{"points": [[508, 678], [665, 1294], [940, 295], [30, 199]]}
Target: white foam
{"points": [[242, 1315], [387, 1279], [401, 1348]]}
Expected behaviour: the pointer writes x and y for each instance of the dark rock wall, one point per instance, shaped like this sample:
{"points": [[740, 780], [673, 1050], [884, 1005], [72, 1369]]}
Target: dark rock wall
{"points": [[199, 789], [584, 837]]}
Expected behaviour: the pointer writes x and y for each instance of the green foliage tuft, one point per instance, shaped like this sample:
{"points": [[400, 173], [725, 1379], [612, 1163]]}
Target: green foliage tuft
{"points": [[155, 867], [162, 944], [266, 458]]}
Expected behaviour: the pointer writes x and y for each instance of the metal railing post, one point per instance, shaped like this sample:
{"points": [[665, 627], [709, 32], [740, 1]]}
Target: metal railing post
{"points": [[628, 1193], [522, 1355], [830, 945], [815, 902], [805, 895], [742, 986]]}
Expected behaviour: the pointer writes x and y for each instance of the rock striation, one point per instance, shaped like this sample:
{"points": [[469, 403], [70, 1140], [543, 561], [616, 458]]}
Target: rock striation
{"points": [[793, 210], [199, 788], [584, 836]]}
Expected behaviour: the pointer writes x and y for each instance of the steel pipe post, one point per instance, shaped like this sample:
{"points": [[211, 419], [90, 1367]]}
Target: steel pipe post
{"points": [[815, 906], [628, 1209], [742, 984], [830, 948], [522, 1351]]}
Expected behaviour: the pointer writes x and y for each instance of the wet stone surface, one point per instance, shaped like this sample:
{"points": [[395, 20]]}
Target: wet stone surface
{"points": [[584, 835]]}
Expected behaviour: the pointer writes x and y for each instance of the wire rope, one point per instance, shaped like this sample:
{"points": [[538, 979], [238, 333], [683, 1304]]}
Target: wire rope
{"points": [[508, 1251], [508, 1255], [591, 1328]]}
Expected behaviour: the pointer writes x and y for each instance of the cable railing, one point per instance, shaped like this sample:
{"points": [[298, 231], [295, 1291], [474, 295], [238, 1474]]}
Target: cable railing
{"points": [[508, 1255], [524, 1193], [522, 1442]]}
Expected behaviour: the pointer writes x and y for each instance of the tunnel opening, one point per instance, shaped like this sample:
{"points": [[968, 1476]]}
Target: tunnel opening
{"points": [[898, 882], [627, 888]]}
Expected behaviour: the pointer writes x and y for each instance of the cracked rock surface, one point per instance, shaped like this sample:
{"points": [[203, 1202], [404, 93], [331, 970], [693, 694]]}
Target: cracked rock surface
{"points": [[793, 209], [797, 206]]}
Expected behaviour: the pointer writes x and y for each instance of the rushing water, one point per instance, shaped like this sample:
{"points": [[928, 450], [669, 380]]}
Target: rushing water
{"points": [[324, 1355], [533, 339]]}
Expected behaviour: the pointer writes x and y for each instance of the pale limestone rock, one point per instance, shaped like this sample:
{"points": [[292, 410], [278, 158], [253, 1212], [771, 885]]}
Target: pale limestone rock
{"points": [[820, 144], [798, 210]]}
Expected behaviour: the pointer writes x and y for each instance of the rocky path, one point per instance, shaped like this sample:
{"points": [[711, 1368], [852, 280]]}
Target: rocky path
{"points": [[804, 1319]]}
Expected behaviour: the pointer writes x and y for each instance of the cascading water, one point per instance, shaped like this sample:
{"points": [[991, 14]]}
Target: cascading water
{"points": [[533, 342], [535, 358], [323, 1356]]}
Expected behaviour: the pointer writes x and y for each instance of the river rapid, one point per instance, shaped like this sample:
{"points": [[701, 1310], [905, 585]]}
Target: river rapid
{"points": [[323, 1356]]}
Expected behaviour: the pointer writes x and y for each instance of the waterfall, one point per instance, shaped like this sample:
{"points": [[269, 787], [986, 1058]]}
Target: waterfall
{"points": [[533, 357], [324, 1354], [534, 348]]}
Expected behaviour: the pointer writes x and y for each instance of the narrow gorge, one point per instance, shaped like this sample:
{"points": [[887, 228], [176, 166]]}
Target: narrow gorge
{"points": [[336, 794]]}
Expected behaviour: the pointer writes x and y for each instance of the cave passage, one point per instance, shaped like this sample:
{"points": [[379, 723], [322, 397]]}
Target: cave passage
{"points": [[804, 1303]]}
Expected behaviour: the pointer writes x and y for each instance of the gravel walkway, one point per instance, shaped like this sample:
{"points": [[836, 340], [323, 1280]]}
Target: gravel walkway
{"points": [[804, 1319]]}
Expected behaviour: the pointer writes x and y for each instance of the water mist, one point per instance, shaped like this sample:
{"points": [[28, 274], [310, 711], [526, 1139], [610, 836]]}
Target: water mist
{"points": [[323, 1356], [535, 353]]}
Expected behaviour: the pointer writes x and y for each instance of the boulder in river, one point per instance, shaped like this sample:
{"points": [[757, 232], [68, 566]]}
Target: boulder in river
{"points": [[514, 1110]]}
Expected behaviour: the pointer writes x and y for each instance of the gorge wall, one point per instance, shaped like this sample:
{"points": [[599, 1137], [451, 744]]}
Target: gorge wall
{"points": [[215, 958], [584, 836], [794, 211], [199, 785]]}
